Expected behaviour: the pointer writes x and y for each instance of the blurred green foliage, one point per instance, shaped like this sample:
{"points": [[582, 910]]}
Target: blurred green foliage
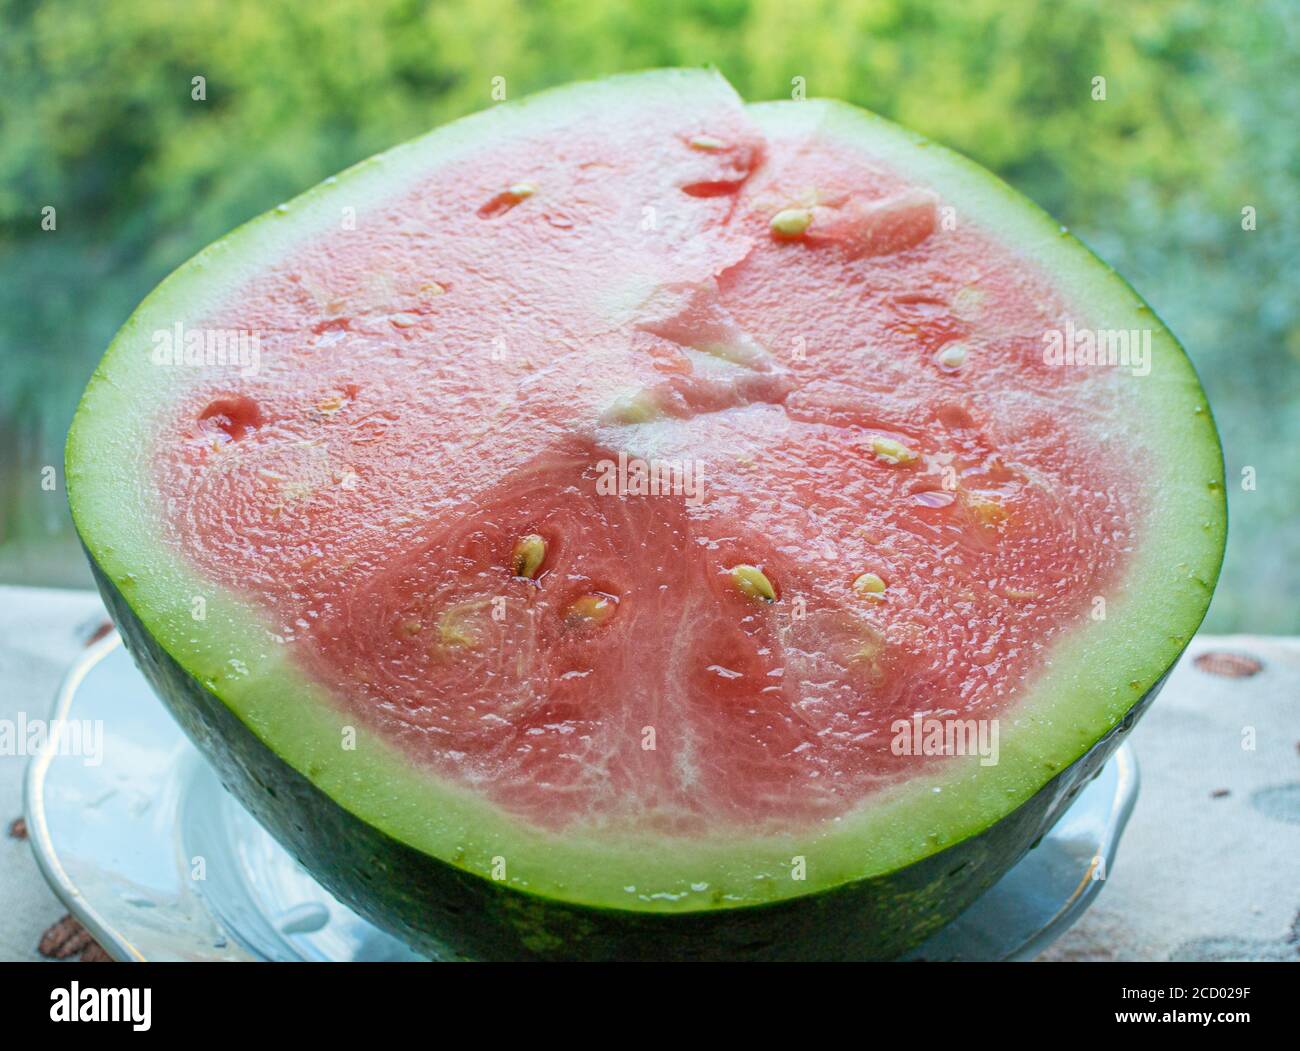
{"points": [[97, 120]]}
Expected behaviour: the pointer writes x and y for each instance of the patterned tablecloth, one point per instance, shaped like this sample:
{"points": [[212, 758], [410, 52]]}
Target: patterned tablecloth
{"points": [[1209, 868]]}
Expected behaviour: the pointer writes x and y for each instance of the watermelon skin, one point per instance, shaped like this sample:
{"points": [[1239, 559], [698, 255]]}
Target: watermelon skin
{"points": [[448, 913]]}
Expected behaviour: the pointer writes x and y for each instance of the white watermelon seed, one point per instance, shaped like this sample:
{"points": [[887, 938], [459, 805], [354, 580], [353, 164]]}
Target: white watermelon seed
{"points": [[869, 585], [706, 142], [952, 357], [752, 581], [891, 451], [791, 222], [528, 555], [591, 609]]}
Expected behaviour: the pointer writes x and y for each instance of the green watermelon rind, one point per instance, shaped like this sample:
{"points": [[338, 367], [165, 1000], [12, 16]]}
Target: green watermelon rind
{"points": [[394, 842], [448, 913]]}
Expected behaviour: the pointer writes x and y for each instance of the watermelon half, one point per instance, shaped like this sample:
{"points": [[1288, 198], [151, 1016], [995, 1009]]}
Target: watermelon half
{"points": [[628, 523]]}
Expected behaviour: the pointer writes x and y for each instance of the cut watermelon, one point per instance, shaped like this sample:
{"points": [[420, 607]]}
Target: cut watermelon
{"points": [[590, 529]]}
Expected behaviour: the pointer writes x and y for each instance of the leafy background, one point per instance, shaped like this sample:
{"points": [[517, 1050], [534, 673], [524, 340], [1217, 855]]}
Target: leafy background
{"points": [[96, 119]]}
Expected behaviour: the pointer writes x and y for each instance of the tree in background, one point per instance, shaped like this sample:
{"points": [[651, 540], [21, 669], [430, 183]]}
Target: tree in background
{"points": [[98, 120]]}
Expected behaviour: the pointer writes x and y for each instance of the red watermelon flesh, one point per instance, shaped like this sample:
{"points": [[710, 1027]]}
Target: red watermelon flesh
{"points": [[460, 369]]}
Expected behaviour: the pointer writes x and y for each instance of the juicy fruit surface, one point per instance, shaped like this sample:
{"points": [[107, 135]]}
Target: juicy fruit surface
{"points": [[853, 390]]}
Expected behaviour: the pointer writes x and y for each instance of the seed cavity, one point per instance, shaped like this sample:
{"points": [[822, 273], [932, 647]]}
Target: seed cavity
{"points": [[869, 651], [952, 357], [453, 628], [506, 199], [752, 582], [968, 303], [528, 555], [987, 509], [232, 418], [790, 223], [869, 585], [891, 451], [933, 498]]}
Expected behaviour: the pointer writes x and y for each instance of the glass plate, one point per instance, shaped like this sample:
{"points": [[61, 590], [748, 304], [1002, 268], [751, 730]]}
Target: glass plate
{"points": [[125, 841]]}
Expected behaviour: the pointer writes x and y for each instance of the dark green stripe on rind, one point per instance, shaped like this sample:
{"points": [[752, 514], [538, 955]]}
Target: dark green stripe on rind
{"points": [[445, 912]]}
